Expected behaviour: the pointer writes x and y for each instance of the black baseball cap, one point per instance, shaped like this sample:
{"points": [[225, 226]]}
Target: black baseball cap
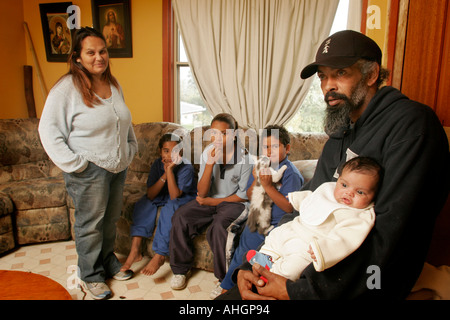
{"points": [[342, 50]]}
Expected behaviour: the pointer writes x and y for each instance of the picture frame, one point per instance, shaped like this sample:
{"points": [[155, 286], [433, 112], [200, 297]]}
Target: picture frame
{"points": [[57, 35], [113, 19]]}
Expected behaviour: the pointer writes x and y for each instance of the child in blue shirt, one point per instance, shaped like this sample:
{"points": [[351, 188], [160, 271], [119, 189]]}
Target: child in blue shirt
{"points": [[223, 175], [276, 146], [171, 183]]}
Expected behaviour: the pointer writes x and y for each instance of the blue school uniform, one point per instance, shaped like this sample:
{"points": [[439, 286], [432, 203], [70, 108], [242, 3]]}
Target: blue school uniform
{"points": [[145, 210], [291, 181]]}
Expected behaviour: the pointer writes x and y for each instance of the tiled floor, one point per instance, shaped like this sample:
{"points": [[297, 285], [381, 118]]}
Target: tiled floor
{"points": [[58, 261]]}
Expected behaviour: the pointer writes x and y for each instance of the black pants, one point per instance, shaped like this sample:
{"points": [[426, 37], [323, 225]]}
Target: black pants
{"points": [[233, 293], [189, 221]]}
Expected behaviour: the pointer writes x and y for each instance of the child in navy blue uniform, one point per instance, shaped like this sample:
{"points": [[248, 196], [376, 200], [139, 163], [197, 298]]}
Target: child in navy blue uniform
{"points": [[171, 183], [276, 146]]}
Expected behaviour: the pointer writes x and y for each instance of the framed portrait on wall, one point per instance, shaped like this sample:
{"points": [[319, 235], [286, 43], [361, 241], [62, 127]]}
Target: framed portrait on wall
{"points": [[57, 35], [113, 19]]}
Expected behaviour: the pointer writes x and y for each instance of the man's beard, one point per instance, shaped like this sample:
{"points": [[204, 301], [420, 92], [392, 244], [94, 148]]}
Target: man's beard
{"points": [[338, 117]]}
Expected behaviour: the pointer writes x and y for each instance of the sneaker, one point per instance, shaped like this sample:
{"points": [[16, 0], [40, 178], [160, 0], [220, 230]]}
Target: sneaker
{"points": [[123, 275], [98, 290], [217, 291], [179, 281]]}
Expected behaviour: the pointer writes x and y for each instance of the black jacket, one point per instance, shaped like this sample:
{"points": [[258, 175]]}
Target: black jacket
{"points": [[406, 138]]}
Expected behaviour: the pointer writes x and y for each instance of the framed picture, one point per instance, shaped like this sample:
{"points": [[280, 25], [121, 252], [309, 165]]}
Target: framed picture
{"points": [[113, 19], [57, 36]]}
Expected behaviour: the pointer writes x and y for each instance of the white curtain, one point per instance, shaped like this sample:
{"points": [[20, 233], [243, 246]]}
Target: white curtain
{"points": [[246, 55], [354, 15]]}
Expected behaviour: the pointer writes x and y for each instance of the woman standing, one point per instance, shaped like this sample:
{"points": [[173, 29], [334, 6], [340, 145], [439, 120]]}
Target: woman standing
{"points": [[86, 130]]}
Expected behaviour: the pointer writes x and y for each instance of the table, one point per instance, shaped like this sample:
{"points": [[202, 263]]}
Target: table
{"points": [[20, 285]]}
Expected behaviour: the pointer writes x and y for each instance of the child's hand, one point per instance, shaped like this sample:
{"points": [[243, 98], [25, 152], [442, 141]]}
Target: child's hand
{"points": [[207, 201], [176, 158], [213, 155], [168, 164], [311, 252], [265, 177], [254, 173]]}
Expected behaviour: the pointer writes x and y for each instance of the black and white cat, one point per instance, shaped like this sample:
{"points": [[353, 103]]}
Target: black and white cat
{"points": [[260, 212]]}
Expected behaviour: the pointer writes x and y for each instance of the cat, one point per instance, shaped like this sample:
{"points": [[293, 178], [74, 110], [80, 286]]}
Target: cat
{"points": [[260, 212]]}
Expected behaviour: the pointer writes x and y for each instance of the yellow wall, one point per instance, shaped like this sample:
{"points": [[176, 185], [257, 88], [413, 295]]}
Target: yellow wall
{"points": [[12, 60], [377, 26], [140, 76]]}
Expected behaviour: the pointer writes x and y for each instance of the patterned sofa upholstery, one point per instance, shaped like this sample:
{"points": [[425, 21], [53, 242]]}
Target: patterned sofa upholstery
{"points": [[35, 207], [305, 151], [33, 185]]}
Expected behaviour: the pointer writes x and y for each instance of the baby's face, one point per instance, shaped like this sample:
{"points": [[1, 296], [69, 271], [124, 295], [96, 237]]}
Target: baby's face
{"points": [[356, 189]]}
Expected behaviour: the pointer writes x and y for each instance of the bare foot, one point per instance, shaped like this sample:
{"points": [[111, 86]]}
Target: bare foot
{"points": [[154, 264], [134, 256]]}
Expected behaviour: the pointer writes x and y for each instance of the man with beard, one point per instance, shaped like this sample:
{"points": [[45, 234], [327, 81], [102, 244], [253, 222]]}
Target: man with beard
{"points": [[406, 138]]}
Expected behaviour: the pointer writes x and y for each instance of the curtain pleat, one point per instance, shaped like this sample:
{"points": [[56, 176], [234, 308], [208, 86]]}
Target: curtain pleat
{"points": [[246, 55]]}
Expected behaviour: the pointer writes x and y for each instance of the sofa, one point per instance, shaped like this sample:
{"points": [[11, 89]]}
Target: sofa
{"points": [[33, 199], [35, 206]]}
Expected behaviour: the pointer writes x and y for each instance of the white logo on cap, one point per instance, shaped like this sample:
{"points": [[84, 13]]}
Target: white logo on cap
{"points": [[326, 46]]}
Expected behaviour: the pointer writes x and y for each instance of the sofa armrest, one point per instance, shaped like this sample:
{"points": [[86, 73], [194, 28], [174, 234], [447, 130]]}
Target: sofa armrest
{"points": [[6, 205]]}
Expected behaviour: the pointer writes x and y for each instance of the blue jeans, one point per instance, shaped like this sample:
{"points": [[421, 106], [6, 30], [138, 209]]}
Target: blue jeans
{"points": [[98, 198], [248, 241]]}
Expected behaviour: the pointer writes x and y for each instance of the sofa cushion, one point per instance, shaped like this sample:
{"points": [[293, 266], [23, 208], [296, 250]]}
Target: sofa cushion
{"points": [[42, 225], [27, 171], [306, 146], [306, 168], [41, 212], [36, 193], [20, 142]]}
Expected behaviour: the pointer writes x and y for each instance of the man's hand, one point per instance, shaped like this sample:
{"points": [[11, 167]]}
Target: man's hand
{"points": [[245, 280], [275, 288]]}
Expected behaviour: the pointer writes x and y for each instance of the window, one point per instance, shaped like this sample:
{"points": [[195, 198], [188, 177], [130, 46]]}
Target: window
{"points": [[310, 116], [190, 110]]}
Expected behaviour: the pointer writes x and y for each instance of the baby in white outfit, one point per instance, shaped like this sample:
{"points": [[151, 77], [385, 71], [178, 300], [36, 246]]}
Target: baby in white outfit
{"points": [[334, 220]]}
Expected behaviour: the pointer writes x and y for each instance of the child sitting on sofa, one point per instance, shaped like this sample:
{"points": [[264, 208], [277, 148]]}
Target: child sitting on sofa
{"points": [[334, 220], [170, 184], [275, 145], [224, 171]]}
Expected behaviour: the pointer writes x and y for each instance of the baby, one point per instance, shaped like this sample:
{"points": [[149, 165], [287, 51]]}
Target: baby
{"points": [[334, 220]]}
